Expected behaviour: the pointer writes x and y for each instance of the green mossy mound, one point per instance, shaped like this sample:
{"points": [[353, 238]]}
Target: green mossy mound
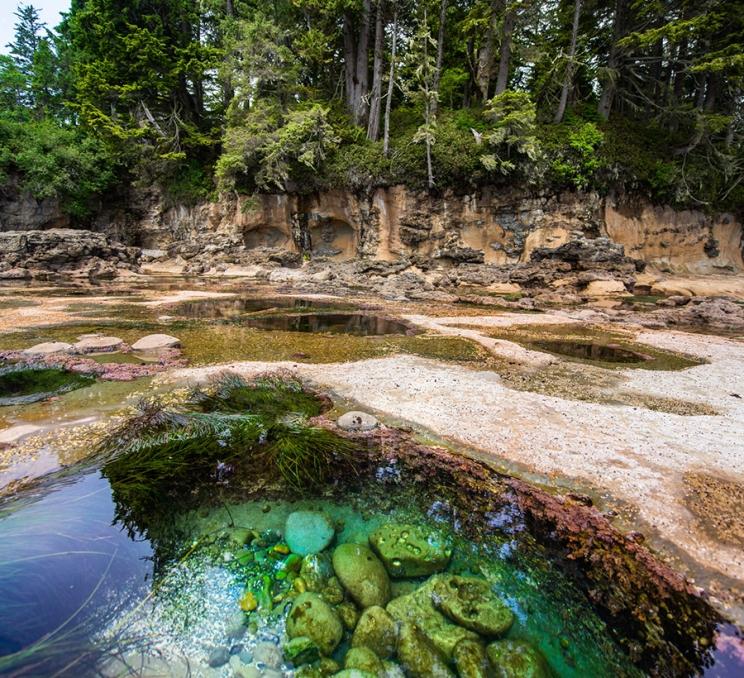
{"points": [[21, 384], [154, 458]]}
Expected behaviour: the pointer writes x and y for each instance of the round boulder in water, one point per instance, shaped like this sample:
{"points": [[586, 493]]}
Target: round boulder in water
{"points": [[362, 575], [308, 532], [471, 603], [156, 342], [313, 618], [411, 550], [517, 659], [357, 421]]}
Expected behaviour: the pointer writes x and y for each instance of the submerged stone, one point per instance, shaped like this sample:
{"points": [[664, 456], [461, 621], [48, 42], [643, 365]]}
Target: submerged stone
{"points": [[312, 617], [517, 659], [471, 660], [377, 630], [308, 532], [349, 615], [411, 550], [362, 574], [363, 659], [471, 603], [218, 657], [315, 571], [419, 608], [301, 650], [420, 659]]}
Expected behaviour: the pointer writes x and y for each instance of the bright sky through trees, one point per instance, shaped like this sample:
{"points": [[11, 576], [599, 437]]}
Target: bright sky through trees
{"points": [[49, 12]]}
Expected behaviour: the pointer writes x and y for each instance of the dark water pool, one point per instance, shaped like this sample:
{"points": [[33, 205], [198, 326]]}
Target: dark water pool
{"points": [[607, 353], [331, 323], [233, 307]]}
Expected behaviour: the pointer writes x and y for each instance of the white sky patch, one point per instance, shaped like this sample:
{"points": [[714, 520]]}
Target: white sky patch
{"points": [[49, 12]]}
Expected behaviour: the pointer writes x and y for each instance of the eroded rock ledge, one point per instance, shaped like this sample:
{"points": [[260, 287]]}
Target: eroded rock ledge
{"points": [[41, 254]]}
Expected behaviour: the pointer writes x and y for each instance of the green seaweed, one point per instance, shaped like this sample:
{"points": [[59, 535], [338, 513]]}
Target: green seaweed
{"points": [[20, 384], [155, 458]]}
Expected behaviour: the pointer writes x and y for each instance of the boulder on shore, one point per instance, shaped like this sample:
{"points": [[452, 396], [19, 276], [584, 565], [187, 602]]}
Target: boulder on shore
{"points": [[156, 342], [49, 347]]}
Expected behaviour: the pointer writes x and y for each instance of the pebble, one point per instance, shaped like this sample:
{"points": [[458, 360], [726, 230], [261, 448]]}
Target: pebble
{"points": [[218, 657], [268, 654], [357, 421]]}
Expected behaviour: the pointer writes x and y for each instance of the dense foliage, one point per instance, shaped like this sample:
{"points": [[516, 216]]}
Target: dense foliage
{"points": [[301, 95]]}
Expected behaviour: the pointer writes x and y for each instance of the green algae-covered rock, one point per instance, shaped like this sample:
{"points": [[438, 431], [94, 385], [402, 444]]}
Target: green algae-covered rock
{"points": [[517, 659], [315, 571], [377, 630], [363, 659], [471, 660], [333, 592], [349, 615], [312, 617], [392, 670], [362, 574], [471, 603], [354, 673], [308, 532], [419, 658], [301, 650], [411, 550], [419, 607]]}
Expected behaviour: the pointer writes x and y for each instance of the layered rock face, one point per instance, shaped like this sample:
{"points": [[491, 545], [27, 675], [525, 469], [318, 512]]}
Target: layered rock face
{"points": [[38, 254], [680, 241], [395, 229], [496, 227]]}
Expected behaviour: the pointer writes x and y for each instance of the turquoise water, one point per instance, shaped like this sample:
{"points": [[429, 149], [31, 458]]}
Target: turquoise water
{"points": [[82, 589]]}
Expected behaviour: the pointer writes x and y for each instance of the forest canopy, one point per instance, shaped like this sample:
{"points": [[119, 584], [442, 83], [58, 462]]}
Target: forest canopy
{"points": [[217, 96]]}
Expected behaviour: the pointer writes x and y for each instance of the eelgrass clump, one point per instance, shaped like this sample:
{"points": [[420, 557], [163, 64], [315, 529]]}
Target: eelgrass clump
{"points": [[258, 430], [22, 384], [270, 395]]}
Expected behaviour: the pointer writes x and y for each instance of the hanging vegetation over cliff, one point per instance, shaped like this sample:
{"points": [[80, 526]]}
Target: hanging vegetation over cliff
{"points": [[300, 95]]}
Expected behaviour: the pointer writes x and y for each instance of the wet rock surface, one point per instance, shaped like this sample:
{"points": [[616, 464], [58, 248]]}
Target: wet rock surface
{"points": [[41, 254], [308, 532], [410, 550], [311, 617], [470, 602], [362, 574]]}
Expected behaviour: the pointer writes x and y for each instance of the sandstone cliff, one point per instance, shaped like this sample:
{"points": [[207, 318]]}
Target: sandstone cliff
{"points": [[497, 227]]}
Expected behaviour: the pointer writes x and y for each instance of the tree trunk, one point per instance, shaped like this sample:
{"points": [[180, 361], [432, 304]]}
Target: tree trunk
{"points": [[440, 52], [362, 66], [502, 79], [485, 56], [356, 78], [373, 127], [570, 65], [606, 99], [349, 62], [391, 84]]}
